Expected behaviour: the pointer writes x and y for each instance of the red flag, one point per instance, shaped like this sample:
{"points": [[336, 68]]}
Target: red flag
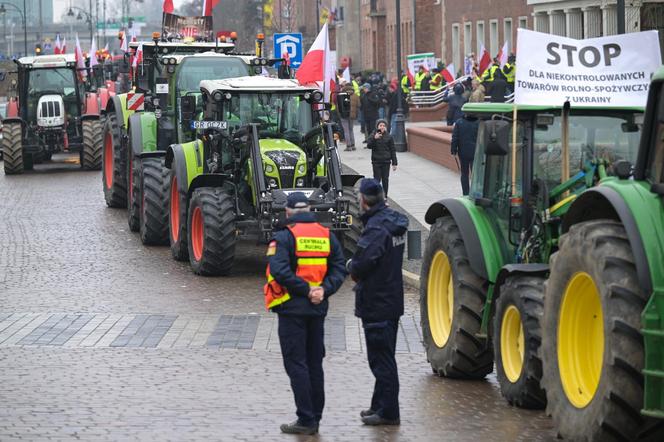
{"points": [[485, 60], [57, 48], [448, 73], [318, 65], [168, 6], [63, 48], [80, 59], [208, 6]]}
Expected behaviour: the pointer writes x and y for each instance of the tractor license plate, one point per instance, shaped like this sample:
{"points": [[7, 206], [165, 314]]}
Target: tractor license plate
{"points": [[209, 125], [307, 192]]}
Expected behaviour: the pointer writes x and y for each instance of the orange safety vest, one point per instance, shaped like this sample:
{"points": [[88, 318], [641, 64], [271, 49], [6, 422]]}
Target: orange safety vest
{"points": [[312, 248]]}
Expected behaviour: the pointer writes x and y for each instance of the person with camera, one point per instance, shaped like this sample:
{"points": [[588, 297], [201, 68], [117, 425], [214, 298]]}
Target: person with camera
{"points": [[383, 153]]}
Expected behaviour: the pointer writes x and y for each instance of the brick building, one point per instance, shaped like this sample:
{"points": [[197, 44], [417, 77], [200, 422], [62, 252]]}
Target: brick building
{"points": [[469, 24]]}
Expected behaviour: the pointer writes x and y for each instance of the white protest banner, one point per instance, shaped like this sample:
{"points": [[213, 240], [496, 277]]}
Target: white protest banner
{"points": [[428, 60], [611, 71]]}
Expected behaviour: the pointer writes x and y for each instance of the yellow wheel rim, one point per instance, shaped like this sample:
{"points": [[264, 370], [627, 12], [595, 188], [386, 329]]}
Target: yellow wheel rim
{"points": [[512, 343], [580, 339], [440, 298]]}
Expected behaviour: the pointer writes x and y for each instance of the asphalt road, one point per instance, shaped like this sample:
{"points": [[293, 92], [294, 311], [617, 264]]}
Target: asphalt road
{"points": [[102, 338]]}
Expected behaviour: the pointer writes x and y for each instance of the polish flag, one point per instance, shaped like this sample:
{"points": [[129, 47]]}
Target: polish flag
{"points": [[502, 55], [138, 57], [448, 73], [346, 74], [80, 60], [124, 46], [318, 65], [485, 60], [93, 53], [168, 6], [57, 48], [208, 5], [63, 47]]}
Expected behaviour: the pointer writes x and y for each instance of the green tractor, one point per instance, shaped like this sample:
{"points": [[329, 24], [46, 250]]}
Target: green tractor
{"points": [[603, 312], [486, 260], [115, 134], [53, 111], [259, 140]]}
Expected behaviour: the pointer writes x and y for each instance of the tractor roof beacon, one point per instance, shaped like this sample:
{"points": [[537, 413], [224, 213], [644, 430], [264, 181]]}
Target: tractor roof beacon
{"points": [[487, 255], [51, 112], [259, 140]]}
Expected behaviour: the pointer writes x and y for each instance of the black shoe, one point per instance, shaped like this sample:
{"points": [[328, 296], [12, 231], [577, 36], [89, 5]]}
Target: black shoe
{"points": [[365, 413], [296, 428], [364, 142], [375, 419]]}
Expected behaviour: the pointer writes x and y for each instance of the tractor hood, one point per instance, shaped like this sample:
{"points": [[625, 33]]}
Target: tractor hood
{"points": [[284, 162]]}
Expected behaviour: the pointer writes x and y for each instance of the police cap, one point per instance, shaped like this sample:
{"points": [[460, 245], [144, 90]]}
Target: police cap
{"points": [[297, 200], [370, 187]]}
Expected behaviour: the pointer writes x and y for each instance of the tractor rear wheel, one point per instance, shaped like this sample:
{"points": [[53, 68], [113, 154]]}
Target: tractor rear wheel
{"points": [[452, 298], [211, 229], [92, 144], [592, 349], [177, 218], [114, 175], [516, 340], [12, 148], [352, 235], [153, 219], [133, 191]]}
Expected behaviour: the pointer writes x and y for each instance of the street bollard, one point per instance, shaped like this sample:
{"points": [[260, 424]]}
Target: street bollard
{"points": [[414, 244]]}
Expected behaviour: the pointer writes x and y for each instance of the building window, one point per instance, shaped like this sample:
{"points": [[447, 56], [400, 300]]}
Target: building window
{"points": [[507, 32], [493, 37], [467, 39], [480, 37], [456, 49], [523, 22]]}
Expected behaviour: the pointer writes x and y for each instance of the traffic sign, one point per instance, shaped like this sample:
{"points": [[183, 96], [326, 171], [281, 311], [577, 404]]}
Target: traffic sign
{"points": [[289, 42]]}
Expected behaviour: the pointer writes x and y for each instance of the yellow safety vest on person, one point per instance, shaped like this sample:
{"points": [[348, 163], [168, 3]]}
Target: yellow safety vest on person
{"points": [[437, 81], [356, 88], [419, 77], [312, 248], [404, 84], [510, 72], [490, 73]]}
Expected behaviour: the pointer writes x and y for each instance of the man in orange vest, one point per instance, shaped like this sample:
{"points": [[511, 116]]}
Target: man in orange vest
{"points": [[305, 267]]}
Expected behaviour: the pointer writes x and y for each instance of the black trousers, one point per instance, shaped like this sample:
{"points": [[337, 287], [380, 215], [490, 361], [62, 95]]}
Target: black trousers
{"points": [[303, 350], [381, 173], [466, 166], [369, 126], [381, 340]]}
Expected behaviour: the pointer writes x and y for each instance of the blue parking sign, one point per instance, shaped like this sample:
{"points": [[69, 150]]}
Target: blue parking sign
{"points": [[289, 42]]}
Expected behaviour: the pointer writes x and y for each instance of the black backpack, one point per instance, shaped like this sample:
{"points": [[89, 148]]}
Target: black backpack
{"points": [[343, 104]]}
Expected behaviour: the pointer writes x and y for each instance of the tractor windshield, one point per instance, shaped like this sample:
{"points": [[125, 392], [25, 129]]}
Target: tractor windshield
{"points": [[58, 81], [279, 114], [195, 69]]}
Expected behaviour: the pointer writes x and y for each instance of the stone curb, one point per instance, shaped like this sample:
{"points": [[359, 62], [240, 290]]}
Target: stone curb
{"points": [[411, 278]]}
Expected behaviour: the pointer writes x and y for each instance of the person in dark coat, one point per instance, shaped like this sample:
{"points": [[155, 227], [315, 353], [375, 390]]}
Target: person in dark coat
{"points": [[498, 87], [454, 104], [464, 138], [370, 103], [379, 300], [302, 314], [383, 153]]}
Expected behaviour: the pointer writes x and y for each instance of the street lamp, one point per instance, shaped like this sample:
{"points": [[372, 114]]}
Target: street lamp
{"points": [[80, 15], [399, 119], [3, 11]]}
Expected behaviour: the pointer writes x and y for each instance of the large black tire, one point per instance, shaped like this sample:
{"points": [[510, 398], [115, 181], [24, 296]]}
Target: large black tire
{"points": [[92, 144], [177, 218], [12, 148], [133, 192], [523, 294], [154, 186], [598, 250], [352, 235], [114, 176], [463, 354], [214, 230]]}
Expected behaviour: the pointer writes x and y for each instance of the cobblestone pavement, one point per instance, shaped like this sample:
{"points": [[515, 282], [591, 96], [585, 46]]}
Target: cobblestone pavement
{"points": [[102, 338]]}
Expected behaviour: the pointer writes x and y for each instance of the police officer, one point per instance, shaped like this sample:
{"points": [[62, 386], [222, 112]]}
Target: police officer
{"points": [[376, 267], [305, 267], [510, 72]]}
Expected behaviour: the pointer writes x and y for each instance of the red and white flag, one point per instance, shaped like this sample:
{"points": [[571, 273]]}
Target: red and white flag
{"points": [[80, 60], [485, 60], [208, 6], [57, 48], [138, 57], [63, 47], [124, 46], [504, 52], [93, 53], [448, 73], [168, 6], [318, 65], [346, 74]]}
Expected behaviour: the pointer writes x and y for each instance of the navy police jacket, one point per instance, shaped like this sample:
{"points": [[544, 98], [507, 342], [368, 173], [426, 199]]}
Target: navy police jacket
{"points": [[283, 264], [376, 266]]}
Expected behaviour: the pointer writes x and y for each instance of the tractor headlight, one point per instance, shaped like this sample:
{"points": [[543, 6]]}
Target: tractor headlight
{"points": [[218, 96], [301, 168], [317, 96], [272, 182], [299, 182], [228, 96], [269, 168], [170, 69]]}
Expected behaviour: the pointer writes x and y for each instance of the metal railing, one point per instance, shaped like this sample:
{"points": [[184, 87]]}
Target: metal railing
{"points": [[422, 99]]}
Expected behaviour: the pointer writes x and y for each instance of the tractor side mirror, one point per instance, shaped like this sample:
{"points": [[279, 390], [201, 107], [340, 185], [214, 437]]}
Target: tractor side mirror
{"points": [[3, 74], [142, 78], [496, 137], [188, 107]]}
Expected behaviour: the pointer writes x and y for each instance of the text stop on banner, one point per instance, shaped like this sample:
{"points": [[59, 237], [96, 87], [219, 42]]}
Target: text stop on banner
{"points": [[611, 71]]}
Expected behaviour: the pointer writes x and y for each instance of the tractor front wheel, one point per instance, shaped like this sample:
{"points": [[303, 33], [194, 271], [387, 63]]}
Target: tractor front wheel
{"points": [[452, 298], [153, 219], [12, 148], [592, 349], [114, 176], [133, 192], [516, 340], [177, 219], [92, 144], [211, 229]]}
